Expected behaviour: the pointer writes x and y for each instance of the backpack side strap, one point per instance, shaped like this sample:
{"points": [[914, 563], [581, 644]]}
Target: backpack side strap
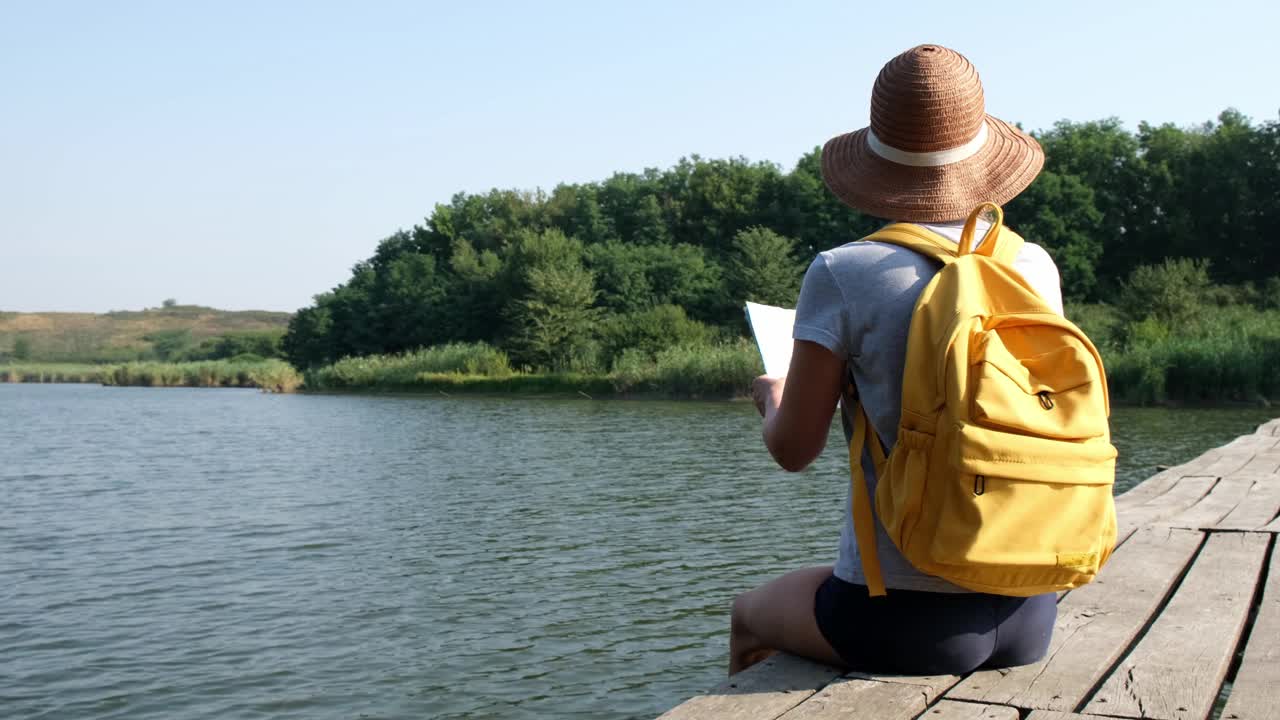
{"points": [[864, 523]]}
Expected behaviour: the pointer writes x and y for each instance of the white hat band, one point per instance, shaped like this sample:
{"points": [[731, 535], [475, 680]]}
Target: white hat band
{"points": [[928, 159]]}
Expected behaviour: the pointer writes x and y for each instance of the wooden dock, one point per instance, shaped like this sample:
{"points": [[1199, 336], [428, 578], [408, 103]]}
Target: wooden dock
{"points": [[1184, 621]]}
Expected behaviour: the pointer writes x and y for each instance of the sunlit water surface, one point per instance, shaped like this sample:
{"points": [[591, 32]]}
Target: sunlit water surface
{"points": [[219, 553]]}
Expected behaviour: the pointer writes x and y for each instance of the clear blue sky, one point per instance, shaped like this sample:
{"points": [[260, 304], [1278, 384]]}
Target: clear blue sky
{"points": [[245, 155]]}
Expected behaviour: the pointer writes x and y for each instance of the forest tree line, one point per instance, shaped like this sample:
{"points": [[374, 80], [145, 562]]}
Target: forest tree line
{"points": [[574, 278]]}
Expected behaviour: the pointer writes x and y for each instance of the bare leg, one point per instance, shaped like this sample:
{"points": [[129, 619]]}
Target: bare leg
{"points": [[779, 616]]}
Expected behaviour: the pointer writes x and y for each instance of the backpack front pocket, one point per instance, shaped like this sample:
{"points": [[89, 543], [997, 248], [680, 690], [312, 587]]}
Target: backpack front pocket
{"points": [[1043, 381], [1023, 511]]}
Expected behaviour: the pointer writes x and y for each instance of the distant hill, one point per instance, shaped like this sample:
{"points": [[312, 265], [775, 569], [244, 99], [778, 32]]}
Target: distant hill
{"points": [[156, 333]]}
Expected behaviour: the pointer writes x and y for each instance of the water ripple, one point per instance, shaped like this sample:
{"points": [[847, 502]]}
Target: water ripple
{"points": [[212, 554]]}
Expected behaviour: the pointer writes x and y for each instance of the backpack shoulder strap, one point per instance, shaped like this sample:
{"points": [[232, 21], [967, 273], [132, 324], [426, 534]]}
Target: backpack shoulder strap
{"points": [[1009, 246], [1006, 243], [914, 237]]}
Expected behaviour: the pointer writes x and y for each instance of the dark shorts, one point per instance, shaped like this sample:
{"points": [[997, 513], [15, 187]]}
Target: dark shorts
{"points": [[921, 633]]}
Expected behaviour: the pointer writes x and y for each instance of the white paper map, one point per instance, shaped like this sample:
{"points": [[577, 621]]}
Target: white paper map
{"points": [[772, 327]]}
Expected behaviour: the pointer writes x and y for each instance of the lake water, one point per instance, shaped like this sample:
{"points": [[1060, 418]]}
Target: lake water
{"points": [[222, 553]]}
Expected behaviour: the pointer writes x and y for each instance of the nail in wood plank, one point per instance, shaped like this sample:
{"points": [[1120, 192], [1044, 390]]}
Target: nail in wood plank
{"points": [[1175, 671]]}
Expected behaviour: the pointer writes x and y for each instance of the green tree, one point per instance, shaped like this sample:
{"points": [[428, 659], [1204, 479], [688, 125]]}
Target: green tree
{"points": [[1106, 158], [473, 299], [812, 214], [1057, 212], [22, 348], [1173, 292], [650, 331], [168, 344], [307, 342], [553, 321], [636, 277], [409, 299], [762, 268]]}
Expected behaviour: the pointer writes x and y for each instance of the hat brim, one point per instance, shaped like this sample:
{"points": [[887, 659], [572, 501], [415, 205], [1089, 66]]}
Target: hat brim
{"points": [[1004, 166]]}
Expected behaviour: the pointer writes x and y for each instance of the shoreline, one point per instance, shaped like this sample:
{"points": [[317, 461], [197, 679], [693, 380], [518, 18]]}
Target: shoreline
{"points": [[515, 386]]}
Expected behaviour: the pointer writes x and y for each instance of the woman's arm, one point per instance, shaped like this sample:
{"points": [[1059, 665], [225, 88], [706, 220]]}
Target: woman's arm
{"points": [[797, 409]]}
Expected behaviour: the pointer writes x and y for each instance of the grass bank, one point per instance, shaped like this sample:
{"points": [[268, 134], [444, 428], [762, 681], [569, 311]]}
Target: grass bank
{"points": [[1229, 356], [1223, 355], [269, 375], [704, 371]]}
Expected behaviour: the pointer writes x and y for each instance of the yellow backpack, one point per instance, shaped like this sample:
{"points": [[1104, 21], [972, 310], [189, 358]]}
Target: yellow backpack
{"points": [[1000, 478]]}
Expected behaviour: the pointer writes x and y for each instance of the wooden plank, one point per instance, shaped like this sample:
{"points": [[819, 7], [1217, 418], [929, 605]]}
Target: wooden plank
{"points": [[1273, 526], [1162, 481], [1051, 715], [1267, 463], [1096, 624], [931, 685], [1175, 671], [1253, 443], [1149, 489], [1259, 507], [859, 696], [763, 691], [1255, 694], [1186, 493], [1271, 427], [952, 710], [1231, 462], [858, 699], [1226, 496], [1233, 456]]}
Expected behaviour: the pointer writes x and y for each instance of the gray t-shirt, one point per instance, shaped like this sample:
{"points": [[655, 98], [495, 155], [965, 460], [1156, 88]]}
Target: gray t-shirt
{"points": [[857, 301]]}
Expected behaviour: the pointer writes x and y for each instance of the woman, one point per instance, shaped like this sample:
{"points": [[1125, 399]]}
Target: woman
{"points": [[930, 155]]}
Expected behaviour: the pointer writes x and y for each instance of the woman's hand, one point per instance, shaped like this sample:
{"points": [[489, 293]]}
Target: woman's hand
{"points": [[766, 391], [797, 422]]}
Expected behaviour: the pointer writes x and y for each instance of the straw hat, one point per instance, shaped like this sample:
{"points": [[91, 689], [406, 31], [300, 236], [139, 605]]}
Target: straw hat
{"points": [[932, 152]]}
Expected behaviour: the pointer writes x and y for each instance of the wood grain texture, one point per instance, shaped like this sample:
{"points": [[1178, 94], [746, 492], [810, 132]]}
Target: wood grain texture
{"points": [[952, 710], [1051, 715], [1150, 488], [1225, 496], [1164, 480], [933, 686], [1175, 671], [1264, 462], [764, 691], [852, 698], [1259, 506], [1255, 694], [1184, 494], [1096, 624]]}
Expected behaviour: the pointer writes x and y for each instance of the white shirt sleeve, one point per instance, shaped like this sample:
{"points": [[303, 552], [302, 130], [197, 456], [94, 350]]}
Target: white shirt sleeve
{"points": [[1034, 263]]}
